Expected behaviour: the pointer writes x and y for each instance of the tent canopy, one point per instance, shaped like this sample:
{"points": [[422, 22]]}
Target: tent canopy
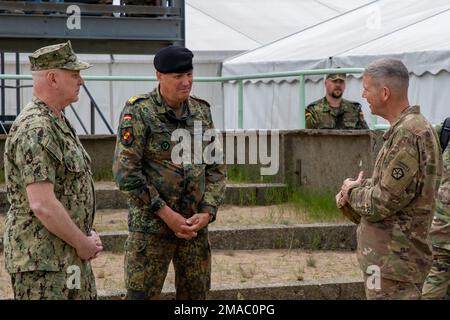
{"points": [[417, 32], [217, 25]]}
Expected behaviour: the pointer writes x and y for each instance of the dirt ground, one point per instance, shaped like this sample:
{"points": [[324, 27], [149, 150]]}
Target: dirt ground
{"points": [[234, 267], [228, 216], [228, 267]]}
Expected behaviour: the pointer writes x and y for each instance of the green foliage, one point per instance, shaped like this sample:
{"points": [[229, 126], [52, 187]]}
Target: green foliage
{"points": [[246, 174], [104, 174], [311, 262], [319, 205], [2, 175]]}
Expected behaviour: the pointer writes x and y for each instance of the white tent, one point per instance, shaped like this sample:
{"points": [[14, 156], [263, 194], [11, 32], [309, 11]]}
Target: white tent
{"points": [[215, 30], [416, 32]]}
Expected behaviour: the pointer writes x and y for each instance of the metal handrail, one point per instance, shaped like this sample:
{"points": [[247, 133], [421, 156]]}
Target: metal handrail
{"points": [[78, 118], [251, 76], [300, 74]]}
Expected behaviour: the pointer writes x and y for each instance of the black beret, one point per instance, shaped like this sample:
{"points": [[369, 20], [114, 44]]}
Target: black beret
{"points": [[173, 59]]}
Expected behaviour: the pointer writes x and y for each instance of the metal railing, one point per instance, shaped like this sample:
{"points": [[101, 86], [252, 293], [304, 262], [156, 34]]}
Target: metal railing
{"points": [[240, 79]]}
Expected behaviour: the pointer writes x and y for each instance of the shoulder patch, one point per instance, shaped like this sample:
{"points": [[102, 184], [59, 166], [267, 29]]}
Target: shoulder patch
{"points": [[126, 120], [400, 173], [126, 136]]}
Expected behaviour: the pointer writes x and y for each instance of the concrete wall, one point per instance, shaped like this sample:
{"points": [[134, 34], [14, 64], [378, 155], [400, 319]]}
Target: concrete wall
{"points": [[319, 159], [322, 159], [101, 149]]}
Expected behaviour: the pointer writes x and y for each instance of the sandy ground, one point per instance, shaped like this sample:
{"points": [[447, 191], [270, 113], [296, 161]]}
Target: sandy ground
{"points": [[229, 267], [234, 268], [228, 216]]}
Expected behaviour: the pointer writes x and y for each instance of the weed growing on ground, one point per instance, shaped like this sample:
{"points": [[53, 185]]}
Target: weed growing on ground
{"points": [[247, 271], [311, 262]]}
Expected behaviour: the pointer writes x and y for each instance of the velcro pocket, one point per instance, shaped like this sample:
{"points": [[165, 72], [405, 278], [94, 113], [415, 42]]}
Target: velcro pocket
{"points": [[74, 158], [74, 163], [400, 173]]}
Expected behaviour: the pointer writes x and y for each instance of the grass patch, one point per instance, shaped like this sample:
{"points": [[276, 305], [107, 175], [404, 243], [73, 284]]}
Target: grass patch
{"points": [[311, 262], [247, 174], [2, 224], [320, 205], [2, 175], [104, 174]]}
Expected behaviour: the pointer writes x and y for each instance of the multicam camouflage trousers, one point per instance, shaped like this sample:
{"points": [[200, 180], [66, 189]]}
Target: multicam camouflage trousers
{"points": [[394, 290], [147, 260], [437, 284], [53, 285]]}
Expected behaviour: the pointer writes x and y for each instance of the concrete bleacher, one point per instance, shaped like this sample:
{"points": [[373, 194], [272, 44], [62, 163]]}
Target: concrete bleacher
{"points": [[296, 150], [103, 28]]}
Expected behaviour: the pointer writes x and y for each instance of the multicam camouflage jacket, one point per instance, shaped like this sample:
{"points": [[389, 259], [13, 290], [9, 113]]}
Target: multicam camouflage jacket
{"points": [[143, 167], [41, 147], [319, 115], [440, 228], [396, 205]]}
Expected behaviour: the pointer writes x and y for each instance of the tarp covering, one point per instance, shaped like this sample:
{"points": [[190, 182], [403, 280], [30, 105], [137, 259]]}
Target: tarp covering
{"points": [[416, 32]]}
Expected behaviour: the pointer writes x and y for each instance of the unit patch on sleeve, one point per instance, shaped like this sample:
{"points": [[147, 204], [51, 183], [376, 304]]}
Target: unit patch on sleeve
{"points": [[126, 136]]}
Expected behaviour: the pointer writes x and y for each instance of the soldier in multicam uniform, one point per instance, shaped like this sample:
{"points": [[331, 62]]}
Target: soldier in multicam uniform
{"points": [[437, 284], [48, 240], [332, 111], [170, 204], [395, 207]]}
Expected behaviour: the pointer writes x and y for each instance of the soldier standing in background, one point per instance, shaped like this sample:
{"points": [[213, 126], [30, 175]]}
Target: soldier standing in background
{"points": [[396, 205], [49, 234], [170, 204], [332, 111], [437, 284]]}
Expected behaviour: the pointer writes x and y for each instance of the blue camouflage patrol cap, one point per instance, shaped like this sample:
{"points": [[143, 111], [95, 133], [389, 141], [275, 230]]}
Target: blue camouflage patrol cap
{"points": [[173, 59]]}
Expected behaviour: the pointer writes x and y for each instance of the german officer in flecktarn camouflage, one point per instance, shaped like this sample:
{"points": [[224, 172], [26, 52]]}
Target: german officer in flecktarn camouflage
{"points": [[333, 111], [437, 283], [171, 202], [394, 207], [48, 240]]}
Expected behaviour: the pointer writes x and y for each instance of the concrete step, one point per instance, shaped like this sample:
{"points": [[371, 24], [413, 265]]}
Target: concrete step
{"points": [[109, 197], [229, 216], [317, 236], [247, 274], [334, 289]]}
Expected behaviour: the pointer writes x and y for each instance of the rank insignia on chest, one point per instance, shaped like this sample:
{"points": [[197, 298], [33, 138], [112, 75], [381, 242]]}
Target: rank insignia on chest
{"points": [[397, 173], [126, 136]]}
